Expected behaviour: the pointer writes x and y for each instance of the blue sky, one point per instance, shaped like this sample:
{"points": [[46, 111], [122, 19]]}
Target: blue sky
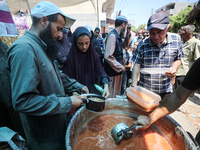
{"points": [[141, 10]]}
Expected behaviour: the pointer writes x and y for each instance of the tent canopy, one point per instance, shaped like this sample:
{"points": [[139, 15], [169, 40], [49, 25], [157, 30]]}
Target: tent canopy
{"points": [[16, 5]]}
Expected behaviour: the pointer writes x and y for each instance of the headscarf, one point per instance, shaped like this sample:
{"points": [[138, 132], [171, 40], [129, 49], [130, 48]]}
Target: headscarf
{"points": [[70, 36], [63, 49], [85, 67], [94, 41]]}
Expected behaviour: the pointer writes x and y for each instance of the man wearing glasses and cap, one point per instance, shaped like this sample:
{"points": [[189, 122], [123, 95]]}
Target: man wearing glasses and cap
{"points": [[38, 88], [113, 56], [161, 50], [189, 85]]}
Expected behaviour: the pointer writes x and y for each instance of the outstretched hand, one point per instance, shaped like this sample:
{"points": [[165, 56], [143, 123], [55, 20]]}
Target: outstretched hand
{"points": [[84, 90], [76, 101], [106, 92], [143, 122], [171, 73]]}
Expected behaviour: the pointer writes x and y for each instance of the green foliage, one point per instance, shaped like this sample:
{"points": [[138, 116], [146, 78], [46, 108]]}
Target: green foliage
{"points": [[180, 20], [142, 26], [134, 29], [176, 22]]}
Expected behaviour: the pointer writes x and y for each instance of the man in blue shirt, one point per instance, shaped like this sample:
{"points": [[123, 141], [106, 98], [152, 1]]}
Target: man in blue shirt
{"points": [[161, 50], [189, 85], [137, 38]]}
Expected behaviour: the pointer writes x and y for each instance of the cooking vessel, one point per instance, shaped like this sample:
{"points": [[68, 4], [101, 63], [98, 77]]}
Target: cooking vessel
{"points": [[175, 135], [95, 103]]}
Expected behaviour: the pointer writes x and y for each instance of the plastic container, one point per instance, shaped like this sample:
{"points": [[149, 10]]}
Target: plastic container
{"points": [[154, 70], [144, 98]]}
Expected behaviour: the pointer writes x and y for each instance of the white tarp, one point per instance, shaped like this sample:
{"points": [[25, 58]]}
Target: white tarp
{"points": [[7, 26], [16, 5]]}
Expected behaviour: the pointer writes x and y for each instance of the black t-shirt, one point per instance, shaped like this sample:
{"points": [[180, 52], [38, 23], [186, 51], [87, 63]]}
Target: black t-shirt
{"points": [[192, 79]]}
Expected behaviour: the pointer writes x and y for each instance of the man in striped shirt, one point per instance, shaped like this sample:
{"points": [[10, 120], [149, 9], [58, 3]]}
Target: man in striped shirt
{"points": [[161, 50]]}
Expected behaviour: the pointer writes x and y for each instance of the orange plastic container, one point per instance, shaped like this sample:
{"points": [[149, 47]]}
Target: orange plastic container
{"points": [[144, 98]]}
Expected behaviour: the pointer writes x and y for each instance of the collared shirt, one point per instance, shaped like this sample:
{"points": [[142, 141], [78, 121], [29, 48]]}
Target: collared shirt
{"points": [[149, 55], [191, 50], [135, 40]]}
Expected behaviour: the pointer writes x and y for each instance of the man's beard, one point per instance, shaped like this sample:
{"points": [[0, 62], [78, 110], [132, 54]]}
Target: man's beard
{"points": [[47, 37]]}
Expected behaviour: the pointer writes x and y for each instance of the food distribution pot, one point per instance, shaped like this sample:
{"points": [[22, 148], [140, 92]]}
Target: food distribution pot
{"points": [[173, 133]]}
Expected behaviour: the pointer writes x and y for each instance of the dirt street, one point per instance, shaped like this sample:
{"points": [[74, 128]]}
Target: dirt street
{"points": [[191, 109]]}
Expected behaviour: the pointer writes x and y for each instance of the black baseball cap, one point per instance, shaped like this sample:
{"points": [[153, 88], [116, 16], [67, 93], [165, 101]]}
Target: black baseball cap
{"points": [[158, 20]]}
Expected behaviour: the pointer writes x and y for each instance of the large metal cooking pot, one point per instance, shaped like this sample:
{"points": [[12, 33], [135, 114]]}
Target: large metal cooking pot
{"points": [[175, 135]]}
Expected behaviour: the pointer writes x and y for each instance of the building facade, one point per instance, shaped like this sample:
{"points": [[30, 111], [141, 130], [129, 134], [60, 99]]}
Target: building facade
{"points": [[174, 8]]}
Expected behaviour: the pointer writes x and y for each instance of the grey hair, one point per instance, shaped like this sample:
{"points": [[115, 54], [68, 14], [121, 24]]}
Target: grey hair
{"points": [[189, 28]]}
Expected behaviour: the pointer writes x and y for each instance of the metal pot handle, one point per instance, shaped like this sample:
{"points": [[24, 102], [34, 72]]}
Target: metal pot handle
{"points": [[195, 142], [85, 100]]}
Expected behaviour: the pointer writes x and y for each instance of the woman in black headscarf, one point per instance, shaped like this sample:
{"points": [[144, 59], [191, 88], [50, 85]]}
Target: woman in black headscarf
{"points": [[63, 46], [70, 36], [83, 63]]}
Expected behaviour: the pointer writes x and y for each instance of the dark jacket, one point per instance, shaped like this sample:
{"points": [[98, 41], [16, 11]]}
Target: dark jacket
{"points": [[118, 54]]}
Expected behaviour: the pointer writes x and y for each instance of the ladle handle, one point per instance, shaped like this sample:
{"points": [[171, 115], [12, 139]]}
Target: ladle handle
{"points": [[126, 130]]}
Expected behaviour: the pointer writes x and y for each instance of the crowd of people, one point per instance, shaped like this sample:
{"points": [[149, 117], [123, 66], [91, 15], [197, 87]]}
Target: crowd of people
{"points": [[46, 70]]}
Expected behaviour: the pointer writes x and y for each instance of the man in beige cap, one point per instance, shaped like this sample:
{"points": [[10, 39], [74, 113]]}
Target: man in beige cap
{"points": [[38, 88]]}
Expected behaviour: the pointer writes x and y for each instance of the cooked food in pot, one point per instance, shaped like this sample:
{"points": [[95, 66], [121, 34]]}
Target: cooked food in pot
{"points": [[96, 99], [96, 135]]}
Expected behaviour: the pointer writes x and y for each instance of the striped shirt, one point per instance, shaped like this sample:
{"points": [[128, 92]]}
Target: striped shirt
{"points": [[149, 55]]}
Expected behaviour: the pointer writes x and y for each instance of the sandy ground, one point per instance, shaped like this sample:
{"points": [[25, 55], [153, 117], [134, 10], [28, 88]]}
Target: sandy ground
{"points": [[191, 109]]}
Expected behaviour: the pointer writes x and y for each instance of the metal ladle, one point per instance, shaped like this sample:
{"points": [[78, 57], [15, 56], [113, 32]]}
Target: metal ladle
{"points": [[121, 130]]}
